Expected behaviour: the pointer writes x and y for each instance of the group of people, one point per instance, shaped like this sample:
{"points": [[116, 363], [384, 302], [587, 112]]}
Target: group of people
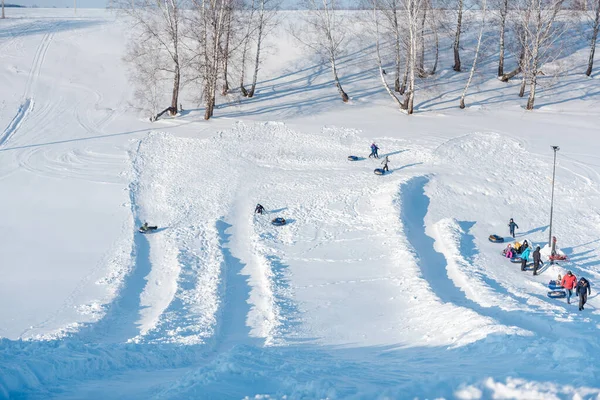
{"points": [[582, 288], [374, 154], [569, 282]]}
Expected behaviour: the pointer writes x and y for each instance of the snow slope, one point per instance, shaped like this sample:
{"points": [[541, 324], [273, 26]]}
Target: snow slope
{"points": [[377, 286]]}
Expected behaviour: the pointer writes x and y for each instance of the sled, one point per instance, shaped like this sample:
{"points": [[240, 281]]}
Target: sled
{"points": [[496, 239], [516, 260], [557, 257], [278, 221], [557, 294], [379, 171], [150, 229], [554, 285], [352, 158]]}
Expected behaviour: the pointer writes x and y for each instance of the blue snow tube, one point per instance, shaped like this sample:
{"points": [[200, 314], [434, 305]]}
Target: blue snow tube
{"points": [[557, 294], [516, 260], [496, 239], [554, 285], [379, 171], [278, 221], [352, 158]]}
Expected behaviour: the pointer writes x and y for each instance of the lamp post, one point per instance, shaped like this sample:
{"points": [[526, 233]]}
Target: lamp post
{"points": [[555, 148]]}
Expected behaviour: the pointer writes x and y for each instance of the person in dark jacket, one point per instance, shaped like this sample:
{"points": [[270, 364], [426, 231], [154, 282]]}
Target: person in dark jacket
{"points": [[537, 260], [525, 257], [374, 150], [259, 209], [512, 225], [583, 289]]}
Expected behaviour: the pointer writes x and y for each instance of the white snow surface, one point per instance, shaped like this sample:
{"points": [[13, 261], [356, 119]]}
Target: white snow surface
{"points": [[377, 287]]}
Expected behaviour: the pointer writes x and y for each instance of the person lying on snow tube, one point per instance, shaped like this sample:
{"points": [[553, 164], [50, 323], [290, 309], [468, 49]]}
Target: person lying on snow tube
{"points": [[146, 228], [508, 251]]}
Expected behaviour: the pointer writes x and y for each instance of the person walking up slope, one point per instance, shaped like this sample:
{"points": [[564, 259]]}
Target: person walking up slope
{"points": [[537, 260], [374, 149], [512, 225], [583, 289], [568, 283]]}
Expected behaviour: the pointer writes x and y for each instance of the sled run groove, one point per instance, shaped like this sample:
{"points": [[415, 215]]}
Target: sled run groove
{"points": [[28, 102]]}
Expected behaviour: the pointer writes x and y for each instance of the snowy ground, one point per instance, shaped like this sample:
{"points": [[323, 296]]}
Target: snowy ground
{"points": [[378, 286]]}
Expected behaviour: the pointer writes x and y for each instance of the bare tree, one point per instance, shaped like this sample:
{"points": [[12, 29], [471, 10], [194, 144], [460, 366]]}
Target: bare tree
{"points": [[434, 26], [378, 57], [246, 44], [157, 24], [539, 33], [595, 28], [325, 21], [413, 23], [456, 45], [464, 93], [210, 26], [3, 16], [265, 15], [225, 53], [503, 15]]}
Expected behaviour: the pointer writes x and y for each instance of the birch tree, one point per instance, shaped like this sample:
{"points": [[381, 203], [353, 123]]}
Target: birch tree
{"points": [[246, 45], [3, 16], [464, 93], [157, 24], [595, 28], [412, 8], [539, 34], [456, 45], [265, 14], [503, 16], [324, 21]]}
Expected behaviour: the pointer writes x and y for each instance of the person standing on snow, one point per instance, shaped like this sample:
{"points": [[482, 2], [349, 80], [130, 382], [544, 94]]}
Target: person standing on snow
{"points": [[583, 289], [512, 225], [259, 209], [385, 163], [374, 149], [569, 281], [525, 257], [537, 260]]}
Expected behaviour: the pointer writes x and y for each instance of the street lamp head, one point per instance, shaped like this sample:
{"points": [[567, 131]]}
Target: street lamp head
{"points": [[555, 148]]}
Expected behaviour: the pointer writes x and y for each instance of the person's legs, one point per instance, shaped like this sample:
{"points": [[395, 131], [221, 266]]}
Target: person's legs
{"points": [[523, 264], [569, 294], [535, 268], [581, 301], [583, 298]]}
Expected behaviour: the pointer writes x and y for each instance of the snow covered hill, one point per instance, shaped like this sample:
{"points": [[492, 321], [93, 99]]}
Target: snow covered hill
{"points": [[377, 286]]}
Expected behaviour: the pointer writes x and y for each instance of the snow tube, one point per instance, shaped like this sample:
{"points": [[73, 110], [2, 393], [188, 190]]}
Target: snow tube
{"points": [[516, 260], [553, 285], [150, 229], [557, 294], [352, 158], [379, 171], [496, 239], [278, 221]]}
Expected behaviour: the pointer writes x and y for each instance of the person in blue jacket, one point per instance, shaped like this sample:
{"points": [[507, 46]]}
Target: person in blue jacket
{"points": [[374, 149], [525, 257], [512, 225]]}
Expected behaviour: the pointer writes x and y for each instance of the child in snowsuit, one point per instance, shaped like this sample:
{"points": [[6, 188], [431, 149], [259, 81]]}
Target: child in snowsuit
{"points": [[385, 163], [512, 225], [537, 260], [259, 209], [568, 283], [583, 289], [525, 257], [374, 149], [508, 251]]}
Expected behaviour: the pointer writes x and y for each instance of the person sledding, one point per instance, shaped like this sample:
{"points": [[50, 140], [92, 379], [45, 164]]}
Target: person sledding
{"points": [[583, 289], [569, 282], [537, 260], [374, 150], [512, 225], [385, 162], [146, 228], [508, 252], [525, 256], [259, 209]]}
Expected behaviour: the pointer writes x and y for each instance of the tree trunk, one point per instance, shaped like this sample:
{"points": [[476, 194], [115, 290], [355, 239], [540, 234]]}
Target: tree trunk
{"points": [[245, 50], [337, 81], [3, 16], [522, 89], [503, 13], [588, 72], [532, 86], [456, 46], [176, 85], [437, 44], [516, 71], [225, 89], [406, 69], [261, 26], [397, 49], [462, 98], [421, 67]]}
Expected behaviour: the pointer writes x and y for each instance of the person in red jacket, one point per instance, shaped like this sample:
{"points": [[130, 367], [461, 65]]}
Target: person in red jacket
{"points": [[569, 281]]}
